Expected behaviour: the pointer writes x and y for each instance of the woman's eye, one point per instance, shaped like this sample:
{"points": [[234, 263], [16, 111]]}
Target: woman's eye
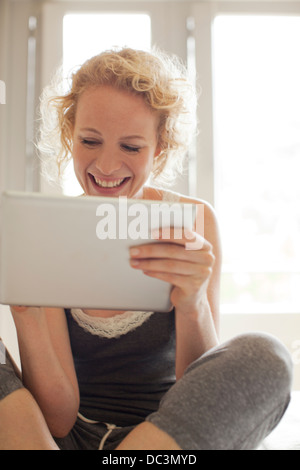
{"points": [[129, 148], [89, 143]]}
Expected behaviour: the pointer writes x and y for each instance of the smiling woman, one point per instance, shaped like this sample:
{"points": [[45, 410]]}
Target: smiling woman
{"points": [[116, 159], [167, 99]]}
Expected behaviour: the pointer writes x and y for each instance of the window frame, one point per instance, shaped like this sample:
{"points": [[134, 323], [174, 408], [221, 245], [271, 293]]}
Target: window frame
{"points": [[283, 325], [203, 15]]}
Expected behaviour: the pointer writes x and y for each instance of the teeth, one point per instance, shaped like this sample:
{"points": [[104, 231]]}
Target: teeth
{"points": [[109, 184]]}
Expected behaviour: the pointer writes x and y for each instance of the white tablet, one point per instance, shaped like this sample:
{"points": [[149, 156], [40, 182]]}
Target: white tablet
{"points": [[60, 251]]}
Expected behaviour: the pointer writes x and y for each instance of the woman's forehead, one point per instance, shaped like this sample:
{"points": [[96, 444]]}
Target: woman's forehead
{"points": [[103, 105]]}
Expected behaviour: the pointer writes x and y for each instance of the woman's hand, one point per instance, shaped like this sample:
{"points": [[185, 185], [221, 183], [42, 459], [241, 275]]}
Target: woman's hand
{"points": [[18, 309], [172, 260], [21, 309]]}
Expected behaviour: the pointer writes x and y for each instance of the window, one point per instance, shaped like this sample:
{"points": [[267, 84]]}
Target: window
{"points": [[86, 35], [256, 94]]}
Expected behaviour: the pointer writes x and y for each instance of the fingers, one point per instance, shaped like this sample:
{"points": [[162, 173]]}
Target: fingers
{"points": [[171, 262], [173, 250], [190, 240]]}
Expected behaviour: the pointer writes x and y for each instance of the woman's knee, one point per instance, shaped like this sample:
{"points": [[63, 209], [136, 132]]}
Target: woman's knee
{"points": [[236, 389], [254, 353], [266, 358]]}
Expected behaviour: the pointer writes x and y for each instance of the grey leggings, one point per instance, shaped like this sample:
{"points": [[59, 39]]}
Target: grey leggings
{"points": [[229, 399]]}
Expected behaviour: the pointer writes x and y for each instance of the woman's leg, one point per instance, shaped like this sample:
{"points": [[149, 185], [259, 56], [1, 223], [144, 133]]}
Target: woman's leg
{"points": [[22, 425], [231, 398]]}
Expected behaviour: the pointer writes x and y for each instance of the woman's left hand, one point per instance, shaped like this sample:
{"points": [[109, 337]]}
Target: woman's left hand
{"points": [[187, 266]]}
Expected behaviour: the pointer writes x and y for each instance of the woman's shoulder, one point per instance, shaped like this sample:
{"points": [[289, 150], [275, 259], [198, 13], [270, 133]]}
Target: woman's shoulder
{"points": [[159, 194], [208, 213]]}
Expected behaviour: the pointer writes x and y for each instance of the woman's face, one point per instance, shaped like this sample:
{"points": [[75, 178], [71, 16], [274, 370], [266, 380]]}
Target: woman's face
{"points": [[115, 142]]}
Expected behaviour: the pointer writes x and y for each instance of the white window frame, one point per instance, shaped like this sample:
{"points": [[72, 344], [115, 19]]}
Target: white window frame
{"points": [[282, 325], [204, 14]]}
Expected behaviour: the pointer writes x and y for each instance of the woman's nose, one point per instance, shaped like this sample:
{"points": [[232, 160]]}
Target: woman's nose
{"points": [[108, 162]]}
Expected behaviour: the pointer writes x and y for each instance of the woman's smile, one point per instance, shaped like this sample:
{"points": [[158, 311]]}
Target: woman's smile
{"points": [[115, 142], [108, 186]]}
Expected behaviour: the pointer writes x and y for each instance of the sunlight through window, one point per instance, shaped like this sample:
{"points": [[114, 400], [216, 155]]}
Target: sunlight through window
{"points": [[257, 160]]}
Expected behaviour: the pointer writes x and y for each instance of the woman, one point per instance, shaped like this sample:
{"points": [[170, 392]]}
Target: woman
{"points": [[164, 384]]}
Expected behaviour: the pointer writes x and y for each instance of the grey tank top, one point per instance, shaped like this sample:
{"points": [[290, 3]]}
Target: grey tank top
{"points": [[122, 380]]}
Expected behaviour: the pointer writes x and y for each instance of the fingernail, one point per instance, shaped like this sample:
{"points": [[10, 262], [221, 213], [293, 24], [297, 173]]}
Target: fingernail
{"points": [[134, 262], [134, 251]]}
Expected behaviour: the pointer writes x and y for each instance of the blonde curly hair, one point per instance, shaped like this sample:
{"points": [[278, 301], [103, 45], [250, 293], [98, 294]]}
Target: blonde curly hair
{"points": [[160, 79]]}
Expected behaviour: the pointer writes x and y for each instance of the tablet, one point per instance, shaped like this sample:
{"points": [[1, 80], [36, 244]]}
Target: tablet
{"points": [[69, 252]]}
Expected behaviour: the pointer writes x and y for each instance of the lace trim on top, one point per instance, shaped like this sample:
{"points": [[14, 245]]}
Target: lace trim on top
{"points": [[112, 327]]}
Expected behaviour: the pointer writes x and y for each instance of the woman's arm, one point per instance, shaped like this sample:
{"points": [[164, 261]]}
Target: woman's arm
{"points": [[47, 365], [195, 276], [197, 327]]}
